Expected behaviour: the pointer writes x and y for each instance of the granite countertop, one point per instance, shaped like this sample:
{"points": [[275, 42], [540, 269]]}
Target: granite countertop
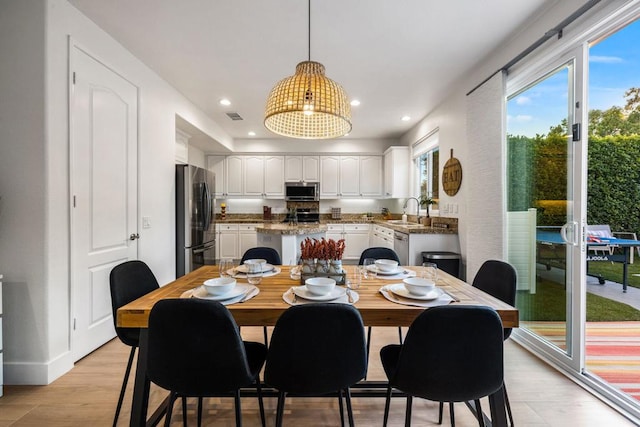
{"points": [[286, 229], [439, 225]]}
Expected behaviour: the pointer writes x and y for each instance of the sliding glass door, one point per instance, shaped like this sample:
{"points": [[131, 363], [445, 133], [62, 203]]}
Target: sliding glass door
{"points": [[544, 203]]}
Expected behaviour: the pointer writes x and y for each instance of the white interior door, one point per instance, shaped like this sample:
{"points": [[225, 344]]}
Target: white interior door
{"points": [[103, 112]]}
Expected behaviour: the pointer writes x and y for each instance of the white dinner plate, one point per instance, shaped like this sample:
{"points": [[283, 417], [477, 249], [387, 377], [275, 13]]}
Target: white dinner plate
{"points": [[401, 291], [303, 292], [375, 269], [265, 268], [238, 290]]}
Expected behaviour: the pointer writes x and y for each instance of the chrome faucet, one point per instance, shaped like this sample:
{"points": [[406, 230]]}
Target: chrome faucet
{"points": [[417, 207]]}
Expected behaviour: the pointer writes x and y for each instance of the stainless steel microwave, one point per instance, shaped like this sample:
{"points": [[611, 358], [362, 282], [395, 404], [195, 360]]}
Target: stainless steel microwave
{"points": [[302, 191]]}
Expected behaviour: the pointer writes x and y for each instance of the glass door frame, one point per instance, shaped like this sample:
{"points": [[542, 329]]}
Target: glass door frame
{"points": [[517, 81]]}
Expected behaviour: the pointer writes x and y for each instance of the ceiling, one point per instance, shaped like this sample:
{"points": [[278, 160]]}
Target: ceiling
{"points": [[396, 57]]}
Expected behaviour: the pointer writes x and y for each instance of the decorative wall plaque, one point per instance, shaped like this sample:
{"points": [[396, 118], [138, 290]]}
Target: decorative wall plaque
{"points": [[452, 176]]}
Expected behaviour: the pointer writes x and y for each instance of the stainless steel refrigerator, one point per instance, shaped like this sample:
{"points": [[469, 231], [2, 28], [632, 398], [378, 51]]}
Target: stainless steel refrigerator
{"points": [[195, 228]]}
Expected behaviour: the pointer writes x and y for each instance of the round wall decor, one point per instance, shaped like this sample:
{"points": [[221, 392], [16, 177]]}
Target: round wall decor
{"points": [[452, 176]]}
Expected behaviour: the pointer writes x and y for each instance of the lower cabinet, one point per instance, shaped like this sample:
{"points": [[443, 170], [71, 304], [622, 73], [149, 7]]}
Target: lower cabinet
{"points": [[382, 237], [232, 240], [356, 238]]}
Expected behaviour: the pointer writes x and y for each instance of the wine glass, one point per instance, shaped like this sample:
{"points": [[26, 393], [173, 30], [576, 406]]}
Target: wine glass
{"points": [[254, 273], [296, 270], [226, 267], [430, 271], [370, 269]]}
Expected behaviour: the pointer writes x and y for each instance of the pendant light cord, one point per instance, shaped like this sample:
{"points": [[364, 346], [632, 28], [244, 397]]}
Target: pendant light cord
{"points": [[309, 29]]}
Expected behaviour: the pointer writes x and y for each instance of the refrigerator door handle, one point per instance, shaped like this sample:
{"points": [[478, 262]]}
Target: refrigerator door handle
{"points": [[207, 207]]}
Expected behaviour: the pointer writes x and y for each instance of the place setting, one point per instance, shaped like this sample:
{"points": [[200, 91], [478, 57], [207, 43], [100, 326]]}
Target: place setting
{"points": [[250, 266], [225, 290], [386, 269], [418, 291], [322, 289]]}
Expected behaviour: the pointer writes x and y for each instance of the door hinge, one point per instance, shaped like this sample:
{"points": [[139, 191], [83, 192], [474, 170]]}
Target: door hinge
{"points": [[74, 77], [74, 201], [74, 323]]}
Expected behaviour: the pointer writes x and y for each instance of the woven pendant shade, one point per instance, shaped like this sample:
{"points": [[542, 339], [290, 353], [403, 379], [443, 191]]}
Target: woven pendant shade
{"points": [[308, 105]]}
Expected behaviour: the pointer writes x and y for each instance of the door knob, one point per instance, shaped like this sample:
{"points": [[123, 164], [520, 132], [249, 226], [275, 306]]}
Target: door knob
{"points": [[134, 236]]}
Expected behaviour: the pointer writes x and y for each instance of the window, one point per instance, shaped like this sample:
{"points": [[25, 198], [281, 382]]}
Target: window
{"points": [[426, 156]]}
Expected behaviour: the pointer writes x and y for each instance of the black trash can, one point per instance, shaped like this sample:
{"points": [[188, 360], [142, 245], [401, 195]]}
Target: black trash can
{"points": [[447, 261]]}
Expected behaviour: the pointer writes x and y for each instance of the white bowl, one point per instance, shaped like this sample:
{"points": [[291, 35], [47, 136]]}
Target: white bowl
{"points": [[219, 285], [418, 286], [320, 286], [255, 261], [386, 265]]}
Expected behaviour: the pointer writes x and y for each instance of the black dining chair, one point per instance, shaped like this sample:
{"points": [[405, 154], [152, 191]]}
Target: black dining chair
{"points": [[316, 349], [451, 353], [128, 281], [261, 252], [272, 257], [195, 350], [376, 253]]}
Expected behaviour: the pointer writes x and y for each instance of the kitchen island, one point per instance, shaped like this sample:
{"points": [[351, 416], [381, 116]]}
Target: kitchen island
{"points": [[286, 238]]}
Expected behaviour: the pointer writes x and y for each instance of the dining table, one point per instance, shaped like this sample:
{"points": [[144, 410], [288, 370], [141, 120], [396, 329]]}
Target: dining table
{"points": [[267, 306]]}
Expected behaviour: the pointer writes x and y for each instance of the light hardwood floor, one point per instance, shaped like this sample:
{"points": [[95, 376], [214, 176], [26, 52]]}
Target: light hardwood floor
{"points": [[87, 395]]}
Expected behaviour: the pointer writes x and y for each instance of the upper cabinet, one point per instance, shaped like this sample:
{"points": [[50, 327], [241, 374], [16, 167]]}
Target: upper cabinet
{"points": [[302, 168], [234, 176], [182, 147], [216, 165], [396, 172], [264, 176], [350, 176]]}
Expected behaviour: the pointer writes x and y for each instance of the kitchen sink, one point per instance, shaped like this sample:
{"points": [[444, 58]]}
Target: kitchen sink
{"points": [[399, 222]]}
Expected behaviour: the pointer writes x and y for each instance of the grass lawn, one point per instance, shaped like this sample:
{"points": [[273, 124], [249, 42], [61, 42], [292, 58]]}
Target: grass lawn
{"points": [[613, 271], [549, 302]]}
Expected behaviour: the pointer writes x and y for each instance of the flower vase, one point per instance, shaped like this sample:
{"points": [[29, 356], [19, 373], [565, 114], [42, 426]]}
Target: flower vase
{"points": [[322, 266], [335, 267], [308, 266]]}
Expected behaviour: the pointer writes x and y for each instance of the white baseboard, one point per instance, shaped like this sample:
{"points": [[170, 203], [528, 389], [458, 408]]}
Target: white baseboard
{"points": [[34, 373]]}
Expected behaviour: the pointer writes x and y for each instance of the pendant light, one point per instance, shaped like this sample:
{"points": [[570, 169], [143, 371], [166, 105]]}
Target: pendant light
{"points": [[308, 105]]}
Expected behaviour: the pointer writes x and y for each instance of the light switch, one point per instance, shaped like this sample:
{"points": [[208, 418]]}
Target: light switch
{"points": [[146, 222]]}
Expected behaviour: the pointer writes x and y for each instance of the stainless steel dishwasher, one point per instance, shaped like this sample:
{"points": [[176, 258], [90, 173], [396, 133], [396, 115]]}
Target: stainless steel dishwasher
{"points": [[401, 246]]}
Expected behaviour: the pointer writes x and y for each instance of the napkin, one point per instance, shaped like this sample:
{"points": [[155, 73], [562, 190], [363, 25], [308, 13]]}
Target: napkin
{"points": [[240, 298], [443, 299]]}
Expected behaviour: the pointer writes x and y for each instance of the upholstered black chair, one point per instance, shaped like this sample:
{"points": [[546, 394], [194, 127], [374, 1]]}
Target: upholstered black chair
{"points": [[379, 253], [128, 282], [271, 255], [451, 353], [195, 350], [316, 349]]}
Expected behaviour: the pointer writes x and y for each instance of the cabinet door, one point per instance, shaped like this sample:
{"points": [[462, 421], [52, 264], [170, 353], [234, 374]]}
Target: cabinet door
{"points": [[253, 176], [293, 166], [229, 244], [216, 165], [355, 244], [329, 184], [247, 240], [233, 173], [311, 168], [397, 164], [371, 176], [349, 176], [274, 176]]}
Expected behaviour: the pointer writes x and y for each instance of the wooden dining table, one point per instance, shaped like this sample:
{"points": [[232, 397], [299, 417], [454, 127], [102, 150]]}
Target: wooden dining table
{"points": [[265, 308]]}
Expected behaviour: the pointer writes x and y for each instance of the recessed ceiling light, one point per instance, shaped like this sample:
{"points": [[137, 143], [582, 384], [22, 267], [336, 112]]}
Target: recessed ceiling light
{"points": [[225, 102], [405, 118], [251, 133], [355, 103]]}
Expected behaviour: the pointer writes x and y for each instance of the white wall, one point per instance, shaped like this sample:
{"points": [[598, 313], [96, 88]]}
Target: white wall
{"points": [[34, 177], [450, 115]]}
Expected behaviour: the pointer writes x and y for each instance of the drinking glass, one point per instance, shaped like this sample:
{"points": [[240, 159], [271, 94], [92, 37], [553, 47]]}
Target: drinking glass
{"points": [[355, 278], [430, 271], [296, 270], [226, 266], [370, 269], [254, 273]]}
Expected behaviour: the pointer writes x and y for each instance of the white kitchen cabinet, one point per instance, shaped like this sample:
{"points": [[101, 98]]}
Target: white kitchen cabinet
{"points": [[302, 168], [227, 241], [329, 177], [370, 176], [397, 162], [216, 165], [382, 237], [247, 238], [264, 176], [182, 147], [311, 168], [234, 175], [349, 176], [356, 238]]}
